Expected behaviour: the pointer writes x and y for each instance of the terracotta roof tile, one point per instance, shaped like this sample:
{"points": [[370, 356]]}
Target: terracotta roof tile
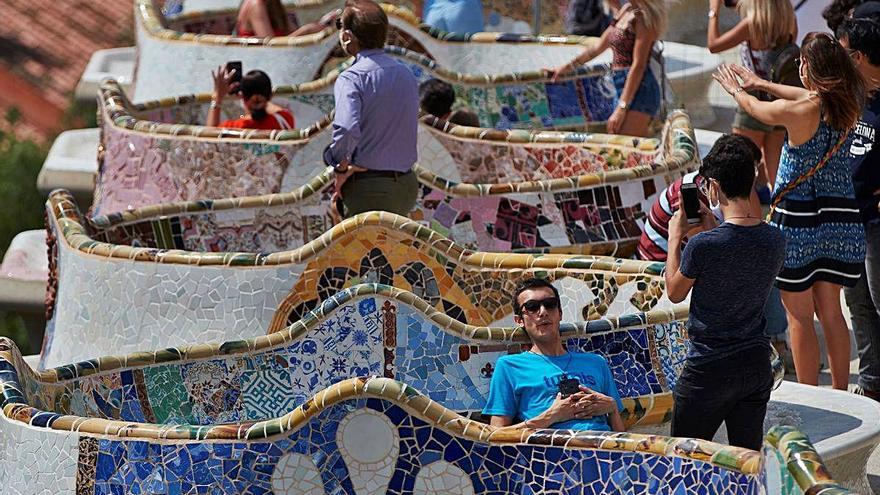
{"points": [[47, 43]]}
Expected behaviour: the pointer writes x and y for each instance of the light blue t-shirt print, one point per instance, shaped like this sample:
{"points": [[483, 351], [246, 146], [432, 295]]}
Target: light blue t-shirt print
{"points": [[524, 385]]}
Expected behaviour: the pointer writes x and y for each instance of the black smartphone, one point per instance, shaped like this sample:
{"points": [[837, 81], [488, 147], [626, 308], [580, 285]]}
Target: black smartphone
{"points": [[236, 77], [569, 386], [690, 201]]}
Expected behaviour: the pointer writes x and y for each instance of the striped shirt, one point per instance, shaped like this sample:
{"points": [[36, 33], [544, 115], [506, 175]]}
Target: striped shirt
{"points": [[654, 243]]}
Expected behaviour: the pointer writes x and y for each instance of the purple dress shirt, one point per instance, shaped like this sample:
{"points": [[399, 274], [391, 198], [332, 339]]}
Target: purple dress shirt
{"points": [[377, 111]]}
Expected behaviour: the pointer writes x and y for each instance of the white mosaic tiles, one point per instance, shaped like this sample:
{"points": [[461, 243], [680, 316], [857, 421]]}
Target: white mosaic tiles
{"points": [[297, 474], [369, 443], [442, 477], [122, 306], [36, 460], [172, 68]]}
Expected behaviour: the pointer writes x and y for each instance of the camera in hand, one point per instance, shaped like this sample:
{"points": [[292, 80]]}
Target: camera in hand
{"points": [[690, 201], [235, 83], [569, 386]]}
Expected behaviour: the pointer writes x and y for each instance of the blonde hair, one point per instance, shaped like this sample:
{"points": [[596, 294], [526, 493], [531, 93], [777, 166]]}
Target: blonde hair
{"points": [[654, 13], [771, 22]]}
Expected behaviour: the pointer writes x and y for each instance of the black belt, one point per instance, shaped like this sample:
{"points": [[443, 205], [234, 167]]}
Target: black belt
{"points": [[379, 173]]}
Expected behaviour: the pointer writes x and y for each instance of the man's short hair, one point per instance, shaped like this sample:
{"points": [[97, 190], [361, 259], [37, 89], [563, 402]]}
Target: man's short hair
{"points": [[731, 162], [367, 22], [436, 97], [528, 284], [255, 82], [465, 117], [862, 30]]}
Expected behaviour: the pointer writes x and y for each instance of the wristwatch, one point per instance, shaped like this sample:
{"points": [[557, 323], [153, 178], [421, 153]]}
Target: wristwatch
{"points": [[623, 105], [712, 14]]}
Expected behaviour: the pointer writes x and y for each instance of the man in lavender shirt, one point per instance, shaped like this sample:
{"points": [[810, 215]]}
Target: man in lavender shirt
{"points": [[376, 123]]}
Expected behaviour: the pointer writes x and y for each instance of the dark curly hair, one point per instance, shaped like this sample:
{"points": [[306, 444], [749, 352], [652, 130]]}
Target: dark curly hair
{"points": [[835, 13]]}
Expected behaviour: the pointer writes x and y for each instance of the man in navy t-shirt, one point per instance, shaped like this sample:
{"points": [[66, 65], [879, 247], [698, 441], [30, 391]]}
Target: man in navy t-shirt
{"points": [[730, 267], [860, 35], [547, 386]]}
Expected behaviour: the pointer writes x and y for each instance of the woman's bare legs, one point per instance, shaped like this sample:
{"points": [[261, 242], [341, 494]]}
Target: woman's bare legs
{"points": [[635, 124], [804, 344], [827, 303]]}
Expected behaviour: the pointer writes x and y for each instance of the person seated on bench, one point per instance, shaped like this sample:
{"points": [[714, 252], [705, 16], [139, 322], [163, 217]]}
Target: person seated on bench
{"points": [[256, 92], [436, 98], [267, 19], [547, 386]]}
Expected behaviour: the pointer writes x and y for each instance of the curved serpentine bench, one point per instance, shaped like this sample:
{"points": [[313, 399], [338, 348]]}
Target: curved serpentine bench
{"points": [[361, 435], [368, 329], [150, 154], [163, 43], [216, 270]]}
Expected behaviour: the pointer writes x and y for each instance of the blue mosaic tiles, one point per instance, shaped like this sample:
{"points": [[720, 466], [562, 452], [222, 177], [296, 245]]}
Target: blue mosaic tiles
{"points": [[419, 451], [355, 336]]}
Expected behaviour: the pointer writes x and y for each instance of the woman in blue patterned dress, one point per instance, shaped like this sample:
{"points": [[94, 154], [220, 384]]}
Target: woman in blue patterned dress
{"points": [[813, 199]]}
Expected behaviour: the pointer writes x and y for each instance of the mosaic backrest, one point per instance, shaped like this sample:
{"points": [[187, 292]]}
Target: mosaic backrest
{"points": [[124, 297], [159, 152], [170, 62], [369, 329], [591, 188], [292, 60], [372, 435]]}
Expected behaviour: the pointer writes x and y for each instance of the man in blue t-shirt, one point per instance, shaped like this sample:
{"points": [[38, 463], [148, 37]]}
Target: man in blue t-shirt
{"points": [[860, 35], [731, 267], [548, 386]]}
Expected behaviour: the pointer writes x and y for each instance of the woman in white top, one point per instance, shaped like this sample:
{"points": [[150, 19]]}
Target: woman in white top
{"points": [[766, 26]]}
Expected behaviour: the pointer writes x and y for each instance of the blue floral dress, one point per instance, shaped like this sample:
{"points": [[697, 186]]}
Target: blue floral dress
{"points": [[825, 239]]}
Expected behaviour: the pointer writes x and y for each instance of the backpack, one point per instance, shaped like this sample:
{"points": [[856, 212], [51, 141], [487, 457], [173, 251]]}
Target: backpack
{"points": [[784, 65], [586, 18]]}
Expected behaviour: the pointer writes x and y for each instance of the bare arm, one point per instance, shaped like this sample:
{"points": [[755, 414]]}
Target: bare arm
{"points": [[717, 42], [259, 20], [222, 79]]}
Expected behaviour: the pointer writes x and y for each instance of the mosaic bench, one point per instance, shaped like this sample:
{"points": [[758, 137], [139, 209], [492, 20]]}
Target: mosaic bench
{"points": [[291, 60], [150, 155], [498, 15], [361, 435], [212, 271], [368, 329]]}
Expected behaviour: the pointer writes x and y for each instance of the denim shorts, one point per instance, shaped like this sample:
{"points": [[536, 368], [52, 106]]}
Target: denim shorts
{"points": [[647, 99]]}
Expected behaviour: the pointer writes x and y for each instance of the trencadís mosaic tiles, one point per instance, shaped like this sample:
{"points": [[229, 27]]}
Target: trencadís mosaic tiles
{"points": [[592, 188], [163, 296], [375, 435], [498, 58]]}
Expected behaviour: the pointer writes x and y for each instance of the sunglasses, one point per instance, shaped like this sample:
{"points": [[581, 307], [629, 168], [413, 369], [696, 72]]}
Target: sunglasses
{"points": [[534, 305]]}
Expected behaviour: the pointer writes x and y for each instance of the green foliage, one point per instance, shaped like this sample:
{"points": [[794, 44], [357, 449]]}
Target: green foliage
{"points": [[21, 205]]}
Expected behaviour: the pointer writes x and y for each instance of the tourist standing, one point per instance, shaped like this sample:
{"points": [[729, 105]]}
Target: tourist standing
{"points": [[813, 200], [727, 376], [767, 26], [631, 36], [376, 122], [860, 35]]}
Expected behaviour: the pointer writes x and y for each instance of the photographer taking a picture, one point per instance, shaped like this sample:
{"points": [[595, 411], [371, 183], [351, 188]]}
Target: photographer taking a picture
{"points": [[731, 268]]}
